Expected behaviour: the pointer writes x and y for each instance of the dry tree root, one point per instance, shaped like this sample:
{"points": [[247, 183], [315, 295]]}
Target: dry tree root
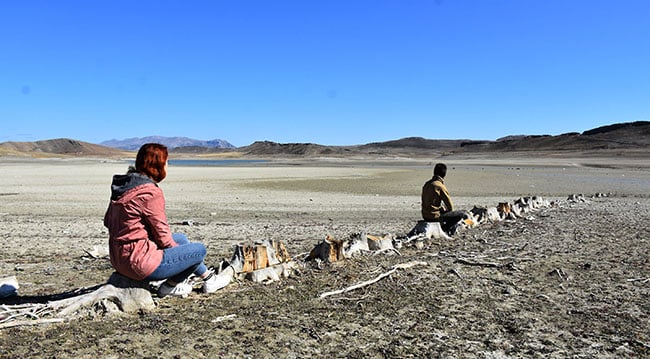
{"points": [[118, 294], [372, 281], [127, 300]]}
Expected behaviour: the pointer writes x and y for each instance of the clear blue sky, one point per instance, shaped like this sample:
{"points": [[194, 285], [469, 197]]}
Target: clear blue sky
{"points": [[336, 72]]}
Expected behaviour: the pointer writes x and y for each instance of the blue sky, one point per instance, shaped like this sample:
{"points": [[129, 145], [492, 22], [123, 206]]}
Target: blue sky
{"points": [[329, 72]]}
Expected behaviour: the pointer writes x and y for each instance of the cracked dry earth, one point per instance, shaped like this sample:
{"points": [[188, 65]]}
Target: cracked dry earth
{"points": [[572, 280]]}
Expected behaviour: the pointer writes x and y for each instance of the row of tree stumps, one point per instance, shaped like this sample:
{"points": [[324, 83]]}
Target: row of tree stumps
{"points": [[261, 262]]}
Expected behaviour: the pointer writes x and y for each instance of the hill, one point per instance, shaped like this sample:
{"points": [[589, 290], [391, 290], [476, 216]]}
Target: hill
{"points": [[133, 144], [410, 145], [59, 146], [268, 148], [633, 137], [621, 136], [404, 146]]}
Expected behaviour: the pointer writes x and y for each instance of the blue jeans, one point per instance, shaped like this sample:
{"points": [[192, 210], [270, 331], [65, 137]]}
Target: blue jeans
{"points": [[449, 219], [179, 262]]}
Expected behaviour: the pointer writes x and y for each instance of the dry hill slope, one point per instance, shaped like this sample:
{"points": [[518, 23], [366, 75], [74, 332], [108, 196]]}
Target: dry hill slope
{"points": [[60, 146], [617, 139], [622, 136]]}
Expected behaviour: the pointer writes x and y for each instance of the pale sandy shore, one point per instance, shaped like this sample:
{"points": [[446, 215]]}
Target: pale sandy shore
{"points": [[82, 187], [52, 210], [62, 202], [57, 206]]}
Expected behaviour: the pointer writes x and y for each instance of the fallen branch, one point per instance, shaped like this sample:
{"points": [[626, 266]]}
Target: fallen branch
{"points": [[372, 281]]}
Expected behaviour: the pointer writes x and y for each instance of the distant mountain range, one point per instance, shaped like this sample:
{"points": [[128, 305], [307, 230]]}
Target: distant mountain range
{"points": [[631, 138], [132, 144]]}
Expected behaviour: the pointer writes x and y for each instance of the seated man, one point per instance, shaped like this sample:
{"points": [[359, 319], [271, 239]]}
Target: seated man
{"points": [[436, 202]]}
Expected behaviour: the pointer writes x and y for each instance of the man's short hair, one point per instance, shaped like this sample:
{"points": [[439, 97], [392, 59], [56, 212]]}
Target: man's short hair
{"points": [[440, 170]]}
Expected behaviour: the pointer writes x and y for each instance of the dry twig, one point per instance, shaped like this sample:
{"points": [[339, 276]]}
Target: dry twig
{"points": [[455, 272], [642, 280], [223, 318], [477, 263]]}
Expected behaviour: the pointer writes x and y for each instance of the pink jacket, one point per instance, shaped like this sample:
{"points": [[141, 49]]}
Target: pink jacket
{"points": [[137, 225]]}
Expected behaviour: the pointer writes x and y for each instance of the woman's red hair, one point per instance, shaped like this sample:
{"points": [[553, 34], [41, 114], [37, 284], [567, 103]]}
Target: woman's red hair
{"points": [[151, 160]]}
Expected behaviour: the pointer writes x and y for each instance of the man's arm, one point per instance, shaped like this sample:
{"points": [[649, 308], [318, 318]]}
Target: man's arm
{"points": [[446, 199]]}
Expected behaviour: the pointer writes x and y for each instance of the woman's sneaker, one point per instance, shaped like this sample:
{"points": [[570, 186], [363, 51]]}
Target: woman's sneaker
{"points": [[213, 282], [182, 289]]}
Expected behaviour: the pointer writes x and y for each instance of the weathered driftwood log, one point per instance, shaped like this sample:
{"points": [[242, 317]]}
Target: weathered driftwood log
{"points": [[127, 294], [119, 294]]}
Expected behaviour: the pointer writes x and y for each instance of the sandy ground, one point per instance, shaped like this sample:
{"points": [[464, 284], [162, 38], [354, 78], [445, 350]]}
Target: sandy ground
{"points": [[576, 284]]}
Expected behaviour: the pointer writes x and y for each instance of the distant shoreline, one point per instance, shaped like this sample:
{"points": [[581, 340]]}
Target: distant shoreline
{"points": [[213, 162], [537, 160]]}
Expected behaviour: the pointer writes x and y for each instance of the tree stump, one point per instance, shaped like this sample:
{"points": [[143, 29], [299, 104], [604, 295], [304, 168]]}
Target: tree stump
{"points": [[264, 261], [262, 254], [329, 250], [430, 230], [376, 243]]}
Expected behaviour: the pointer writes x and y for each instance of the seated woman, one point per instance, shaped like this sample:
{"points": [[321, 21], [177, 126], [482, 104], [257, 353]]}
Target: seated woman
{"points": [[141, 244]]}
